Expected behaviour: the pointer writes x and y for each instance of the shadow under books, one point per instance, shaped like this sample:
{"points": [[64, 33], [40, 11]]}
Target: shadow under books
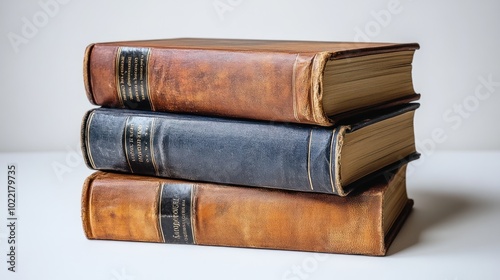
{"points": [[431, 209]]}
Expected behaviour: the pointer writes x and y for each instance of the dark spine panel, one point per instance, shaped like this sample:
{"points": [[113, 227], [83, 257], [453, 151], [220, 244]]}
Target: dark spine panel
{"points": [[176, 213], [132, 78], [137, 140]]}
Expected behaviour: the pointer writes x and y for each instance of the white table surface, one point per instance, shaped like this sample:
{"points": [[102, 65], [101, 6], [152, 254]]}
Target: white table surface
{"points": [[453, 232]]}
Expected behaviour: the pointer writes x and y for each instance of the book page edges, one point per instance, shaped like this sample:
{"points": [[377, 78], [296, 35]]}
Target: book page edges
{"points": [[309, 109], [355, 52], [398, 224]]}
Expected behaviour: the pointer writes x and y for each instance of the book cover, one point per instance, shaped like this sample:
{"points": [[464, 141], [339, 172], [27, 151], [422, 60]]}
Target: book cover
{"points": [[289, 81], [250, 153], [150, 209]]}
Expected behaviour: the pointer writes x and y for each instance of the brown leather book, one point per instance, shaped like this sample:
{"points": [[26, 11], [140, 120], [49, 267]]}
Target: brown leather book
{"points": [[290, 81], [135, 208]]}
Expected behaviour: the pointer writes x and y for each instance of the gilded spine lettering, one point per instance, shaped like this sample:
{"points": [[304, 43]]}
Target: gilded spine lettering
{"points": [[175, 213], [138, 149], [132, 78]]}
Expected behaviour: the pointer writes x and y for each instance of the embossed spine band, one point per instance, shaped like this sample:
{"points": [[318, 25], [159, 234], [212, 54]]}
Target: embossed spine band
{"points": [[138, 139], [132, 80], [175, 205]]}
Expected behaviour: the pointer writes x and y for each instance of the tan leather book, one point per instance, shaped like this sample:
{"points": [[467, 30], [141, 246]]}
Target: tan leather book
{"points": [[290, 81], [137, 208]]}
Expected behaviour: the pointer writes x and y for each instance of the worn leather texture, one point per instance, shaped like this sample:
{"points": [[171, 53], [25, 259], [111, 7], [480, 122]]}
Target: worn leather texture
{"points": [[118, 221], [124, 207], [254, 79], [220, 150]]}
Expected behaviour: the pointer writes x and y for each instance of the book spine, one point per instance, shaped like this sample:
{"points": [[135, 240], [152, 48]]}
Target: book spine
{"points": [[272, 86], [139, 208], [251, 153]]}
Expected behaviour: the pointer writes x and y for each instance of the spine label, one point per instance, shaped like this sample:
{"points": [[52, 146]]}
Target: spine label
{"points": [[132, 77], [176, 213], [138, 143]]}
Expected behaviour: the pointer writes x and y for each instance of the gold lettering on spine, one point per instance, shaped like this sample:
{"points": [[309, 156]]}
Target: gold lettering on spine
{"points": [[175, 218], [132, 81], [138, 144], [138, 137], [187, 219], [135, 79], [176, 213], [184, 220], [87, 141], [129, 79], [129, 143]]}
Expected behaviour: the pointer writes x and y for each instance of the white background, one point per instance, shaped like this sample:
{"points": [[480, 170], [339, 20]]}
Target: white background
{"points": [[453, 232], [43, 98]]}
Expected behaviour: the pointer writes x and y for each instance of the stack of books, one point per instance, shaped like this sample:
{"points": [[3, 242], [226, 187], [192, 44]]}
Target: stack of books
{"points": [[292, 145]]}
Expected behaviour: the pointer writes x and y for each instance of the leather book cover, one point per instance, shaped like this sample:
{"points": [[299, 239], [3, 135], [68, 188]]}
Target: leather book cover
{"points": [[150, 209], [230, 151], [253, 79]]}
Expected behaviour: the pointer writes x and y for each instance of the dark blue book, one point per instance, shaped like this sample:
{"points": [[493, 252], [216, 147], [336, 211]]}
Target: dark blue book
{"points": [[287, 156]]}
